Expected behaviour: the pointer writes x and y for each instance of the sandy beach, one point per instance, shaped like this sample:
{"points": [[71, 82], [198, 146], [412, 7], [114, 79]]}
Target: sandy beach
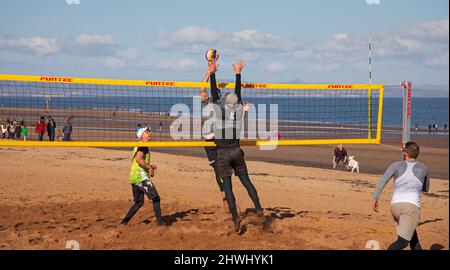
{"points": [[49, 196]]}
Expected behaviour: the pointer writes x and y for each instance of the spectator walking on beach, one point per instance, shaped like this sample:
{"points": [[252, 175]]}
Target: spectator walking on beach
{"points": [[230, 156], [278, 135], [340, 156], [160, 126], [18, 131], [40, 128], [60, 134], [138, 127], [445, 128], [417, 127], [11, 130], [3, 127], [24, 132], [436, 130], [410, 179], [67, 129], [429, 129], [51, 129]]}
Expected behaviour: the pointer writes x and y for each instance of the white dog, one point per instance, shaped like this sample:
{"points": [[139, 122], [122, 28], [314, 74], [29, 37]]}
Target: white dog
{"points": [[353, 164]]}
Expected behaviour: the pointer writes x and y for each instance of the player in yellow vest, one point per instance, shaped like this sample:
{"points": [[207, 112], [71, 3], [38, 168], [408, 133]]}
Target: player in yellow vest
{"points": [[141, 171]]}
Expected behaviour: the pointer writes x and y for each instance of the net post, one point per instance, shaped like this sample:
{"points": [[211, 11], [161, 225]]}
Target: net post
{"points": [[406, 126], [369, 116], [369, 93], [380, 114]]}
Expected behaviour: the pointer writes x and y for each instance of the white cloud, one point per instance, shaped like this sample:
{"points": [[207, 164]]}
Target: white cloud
{"points": [[325, 67], [73, 2], [128, 54], [194, 34], [179, 64], [130, 58], [431, 31], [195, 39], [94, 45], [190, 38], [438, 59], [88, 40], [113, 62], [346, 43], [122, 58], [341, 36], [342, 48], [274, 67], [373, 2], [423, 42], [185, 64], [426, 42], [389, 45], [253, 39], [35, 45], [304, 55]]}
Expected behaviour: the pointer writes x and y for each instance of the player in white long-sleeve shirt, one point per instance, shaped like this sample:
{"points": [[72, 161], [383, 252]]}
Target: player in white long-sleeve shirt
{"points": [[410, 179]]}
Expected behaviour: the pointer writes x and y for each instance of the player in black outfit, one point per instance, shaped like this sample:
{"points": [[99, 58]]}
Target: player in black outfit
{"points": [[208, 129], [230, 156]]}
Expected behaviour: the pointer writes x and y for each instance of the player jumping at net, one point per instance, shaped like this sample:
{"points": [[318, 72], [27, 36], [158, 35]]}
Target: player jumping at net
{"points": [[140, 174], [208, 128], [410, 178], [230, 156]]}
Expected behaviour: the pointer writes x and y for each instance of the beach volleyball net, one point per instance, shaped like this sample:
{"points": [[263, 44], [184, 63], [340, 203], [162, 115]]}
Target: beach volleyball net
{"points": [[107, 112]]}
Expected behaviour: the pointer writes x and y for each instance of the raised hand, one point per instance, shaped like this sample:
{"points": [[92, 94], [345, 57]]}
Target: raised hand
{"points": [[375, 206], [239, 66], [212, 67], [246, 106]]}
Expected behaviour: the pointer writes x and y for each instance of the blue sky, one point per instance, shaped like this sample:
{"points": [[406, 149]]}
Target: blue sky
{"points": [[322, 41]]}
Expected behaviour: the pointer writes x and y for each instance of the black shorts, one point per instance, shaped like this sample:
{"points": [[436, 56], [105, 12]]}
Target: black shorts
{"points": [[145, 187], [229, 160], [211, 153], [338, 159]]}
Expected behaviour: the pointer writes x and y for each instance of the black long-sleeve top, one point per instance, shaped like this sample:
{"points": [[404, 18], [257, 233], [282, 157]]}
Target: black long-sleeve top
{"points": [[215, 91], [220, 140]]}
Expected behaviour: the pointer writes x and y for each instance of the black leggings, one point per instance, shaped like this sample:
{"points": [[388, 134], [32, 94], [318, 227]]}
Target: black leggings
{"points": [[218, 179], [402, 243], [145, 187], [245, 180], [211, 153]]}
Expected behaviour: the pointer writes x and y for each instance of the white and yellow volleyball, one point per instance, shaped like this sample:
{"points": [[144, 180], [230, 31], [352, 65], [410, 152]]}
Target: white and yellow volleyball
{"points": [[212, 55]]}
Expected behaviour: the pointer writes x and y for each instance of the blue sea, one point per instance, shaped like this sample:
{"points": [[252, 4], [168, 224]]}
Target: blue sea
{"points": [[425, 111]]}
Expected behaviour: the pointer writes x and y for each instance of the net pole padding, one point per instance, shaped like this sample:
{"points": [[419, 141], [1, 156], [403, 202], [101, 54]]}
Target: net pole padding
{"points": [[187, 143], [406, 126], [380, 115], [369, 101], [175, 84]]}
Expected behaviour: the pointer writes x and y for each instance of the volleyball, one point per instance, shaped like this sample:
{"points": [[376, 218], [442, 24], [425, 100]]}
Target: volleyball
{"points": [[212, 55]]}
